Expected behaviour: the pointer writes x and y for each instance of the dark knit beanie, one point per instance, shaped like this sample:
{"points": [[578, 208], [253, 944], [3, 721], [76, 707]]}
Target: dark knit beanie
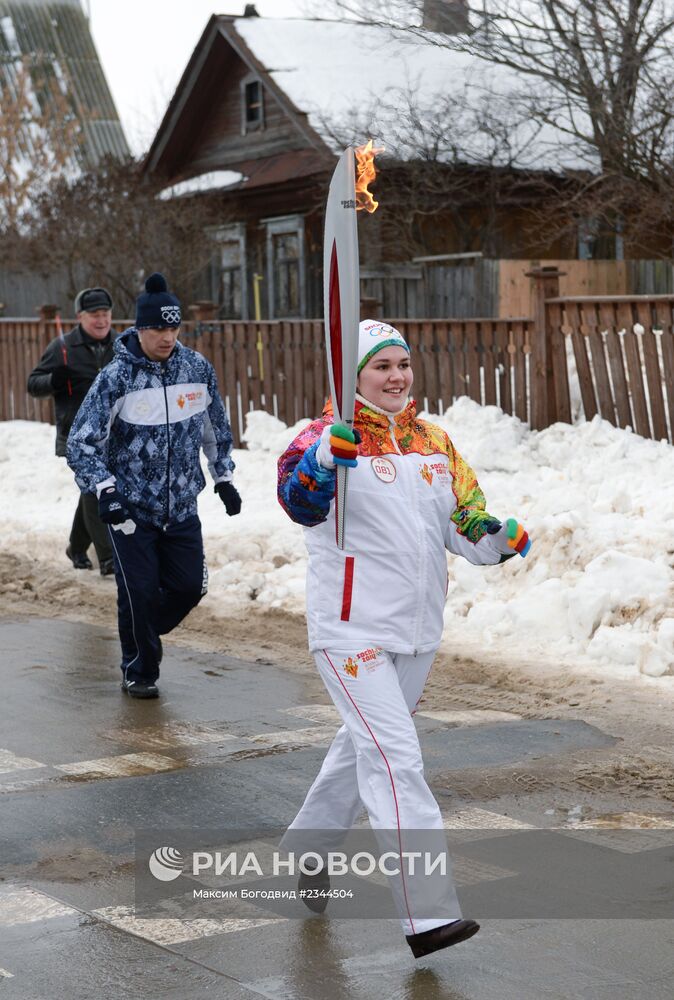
{"points": [[157, 308]]}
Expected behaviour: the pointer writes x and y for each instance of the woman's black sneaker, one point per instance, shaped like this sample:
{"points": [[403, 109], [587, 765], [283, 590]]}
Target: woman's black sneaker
{"points": [[107, 567], [80, 560], [140, 689], [313, 889], [441, 937]]}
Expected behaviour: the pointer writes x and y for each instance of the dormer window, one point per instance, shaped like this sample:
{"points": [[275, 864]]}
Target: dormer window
{"points": [[252, 108]]}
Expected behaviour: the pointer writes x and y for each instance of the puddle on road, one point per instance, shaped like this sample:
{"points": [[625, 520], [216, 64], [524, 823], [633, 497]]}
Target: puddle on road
{"points": [[627, 821], [70, 864], [168, 735], [263, 752], [126, 766]]}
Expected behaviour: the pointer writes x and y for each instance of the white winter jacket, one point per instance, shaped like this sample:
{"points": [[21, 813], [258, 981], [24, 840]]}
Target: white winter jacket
{"points": [[410, 498]]}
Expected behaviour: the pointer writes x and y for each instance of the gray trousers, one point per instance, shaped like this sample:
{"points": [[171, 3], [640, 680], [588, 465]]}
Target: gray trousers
{"points": [[88, 527]]}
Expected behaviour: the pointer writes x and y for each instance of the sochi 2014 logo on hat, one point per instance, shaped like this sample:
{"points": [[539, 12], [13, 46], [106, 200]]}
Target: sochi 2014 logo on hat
{"points": [[382, 330], [171, 315]]}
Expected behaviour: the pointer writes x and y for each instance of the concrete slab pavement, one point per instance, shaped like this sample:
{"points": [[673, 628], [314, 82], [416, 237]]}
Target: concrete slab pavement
{"points": [[234, 743]]}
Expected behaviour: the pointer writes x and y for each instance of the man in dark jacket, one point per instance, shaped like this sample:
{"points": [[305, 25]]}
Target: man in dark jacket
{"points": [[66, 371]]}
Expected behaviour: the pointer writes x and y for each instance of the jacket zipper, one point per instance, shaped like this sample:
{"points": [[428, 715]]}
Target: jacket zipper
{"points": [[168, 449], [420, 540]]}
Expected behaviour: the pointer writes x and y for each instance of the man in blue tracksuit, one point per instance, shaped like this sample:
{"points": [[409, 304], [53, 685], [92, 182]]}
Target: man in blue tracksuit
{"points": [[136, 442]]}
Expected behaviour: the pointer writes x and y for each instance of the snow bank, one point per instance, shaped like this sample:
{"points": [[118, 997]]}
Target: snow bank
{"points": [[596, 590], [599, 504]]}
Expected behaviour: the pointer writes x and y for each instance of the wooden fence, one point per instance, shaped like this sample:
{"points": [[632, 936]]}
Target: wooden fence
{"points": [[624, 357], [280, 366], [623, 348]]}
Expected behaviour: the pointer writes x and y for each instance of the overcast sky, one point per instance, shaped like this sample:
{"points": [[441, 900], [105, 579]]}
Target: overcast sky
{"points": [[145, 45]]}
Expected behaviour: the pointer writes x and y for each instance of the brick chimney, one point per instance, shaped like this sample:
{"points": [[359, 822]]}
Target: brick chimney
{"points": [[450, 17]]}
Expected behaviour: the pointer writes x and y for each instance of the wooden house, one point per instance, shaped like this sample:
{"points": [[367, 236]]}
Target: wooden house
{"points": [[255, 125]]}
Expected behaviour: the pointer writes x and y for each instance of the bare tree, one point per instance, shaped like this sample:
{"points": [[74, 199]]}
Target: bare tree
{"points": [[38, 138], [450, 161], [598, 71], [595, 81], [110, 227]]}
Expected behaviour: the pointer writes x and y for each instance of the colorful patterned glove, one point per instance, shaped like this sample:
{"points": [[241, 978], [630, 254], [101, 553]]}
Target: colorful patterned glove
{"points": [[510, 537], [338, 446]]}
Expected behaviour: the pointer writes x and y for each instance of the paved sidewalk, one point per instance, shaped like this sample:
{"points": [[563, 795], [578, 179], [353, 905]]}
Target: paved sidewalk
{"points": [[232, 744]]}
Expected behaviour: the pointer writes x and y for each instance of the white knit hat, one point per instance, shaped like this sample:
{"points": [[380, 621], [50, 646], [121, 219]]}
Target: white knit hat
{"points": [[373, 335]]}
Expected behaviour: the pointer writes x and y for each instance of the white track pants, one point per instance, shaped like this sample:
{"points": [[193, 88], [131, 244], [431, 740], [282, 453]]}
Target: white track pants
{"points": [[375, 759]]}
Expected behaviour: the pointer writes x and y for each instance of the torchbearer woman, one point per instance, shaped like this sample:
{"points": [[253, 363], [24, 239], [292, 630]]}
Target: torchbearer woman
{"points": [[375, 608]]}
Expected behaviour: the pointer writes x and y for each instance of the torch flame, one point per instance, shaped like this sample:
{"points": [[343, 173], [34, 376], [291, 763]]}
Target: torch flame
{"points": [[365, 174]]}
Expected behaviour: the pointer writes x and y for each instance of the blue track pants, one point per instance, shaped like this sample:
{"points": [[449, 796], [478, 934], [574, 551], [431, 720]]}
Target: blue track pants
{"points": [[161, 575]]}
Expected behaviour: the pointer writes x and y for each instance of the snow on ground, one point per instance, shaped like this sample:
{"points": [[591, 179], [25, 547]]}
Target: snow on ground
{"points": [[595, 593]]}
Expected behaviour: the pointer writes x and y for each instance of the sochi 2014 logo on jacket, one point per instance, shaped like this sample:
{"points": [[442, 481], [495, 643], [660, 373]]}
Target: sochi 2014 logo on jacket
{"points": [[439, 469]]}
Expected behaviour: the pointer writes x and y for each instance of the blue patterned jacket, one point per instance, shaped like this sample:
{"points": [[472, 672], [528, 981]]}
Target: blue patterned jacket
{"points": [[142, 425]]}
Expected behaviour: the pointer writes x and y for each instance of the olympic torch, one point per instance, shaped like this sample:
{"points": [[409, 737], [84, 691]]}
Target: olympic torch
{"points": [[341, 293]]}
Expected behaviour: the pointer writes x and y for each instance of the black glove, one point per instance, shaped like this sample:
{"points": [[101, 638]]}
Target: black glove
{"points": [[60, 378], [111, 508], [229, 496]]}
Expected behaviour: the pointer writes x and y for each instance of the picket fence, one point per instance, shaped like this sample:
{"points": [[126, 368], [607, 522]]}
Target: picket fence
{"points": [[622, 349]]}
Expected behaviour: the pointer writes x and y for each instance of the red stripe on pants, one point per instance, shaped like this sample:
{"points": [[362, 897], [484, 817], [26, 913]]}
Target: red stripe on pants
{"points": [[390, 774]]}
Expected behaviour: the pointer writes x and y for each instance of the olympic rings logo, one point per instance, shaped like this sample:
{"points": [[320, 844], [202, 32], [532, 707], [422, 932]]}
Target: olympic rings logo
{"points": [[171, 315]]}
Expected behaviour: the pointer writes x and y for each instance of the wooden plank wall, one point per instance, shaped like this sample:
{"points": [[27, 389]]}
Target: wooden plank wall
{"points": [[280, 366], [434, 290], [624, 354], [582, 277]]}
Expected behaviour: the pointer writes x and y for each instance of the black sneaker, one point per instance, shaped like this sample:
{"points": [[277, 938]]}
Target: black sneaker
{"points": [[80, 560], [107, 567], [441, 937], [313, 889], [140, 689]]}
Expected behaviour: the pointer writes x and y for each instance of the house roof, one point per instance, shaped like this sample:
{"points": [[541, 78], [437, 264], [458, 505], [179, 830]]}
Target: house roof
{"points": [[342, 81], [56, 34], [351, 79], [263, 172]]}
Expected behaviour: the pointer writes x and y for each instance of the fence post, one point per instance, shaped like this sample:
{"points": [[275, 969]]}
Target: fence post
{"points": [[541, 376], [203, 311]]}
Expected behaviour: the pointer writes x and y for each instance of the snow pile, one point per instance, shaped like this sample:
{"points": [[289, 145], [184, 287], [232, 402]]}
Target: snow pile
{"points": [[599, 505], [596, 590]]}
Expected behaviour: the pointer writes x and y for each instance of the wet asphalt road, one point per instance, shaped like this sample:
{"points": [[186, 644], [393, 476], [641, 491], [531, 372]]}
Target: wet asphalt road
{"points": [[235, 744]]}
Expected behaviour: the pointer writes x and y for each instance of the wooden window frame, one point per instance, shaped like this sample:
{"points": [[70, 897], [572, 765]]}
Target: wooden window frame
{"points": [[234, 233], [247, 126], [285, 225]]}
